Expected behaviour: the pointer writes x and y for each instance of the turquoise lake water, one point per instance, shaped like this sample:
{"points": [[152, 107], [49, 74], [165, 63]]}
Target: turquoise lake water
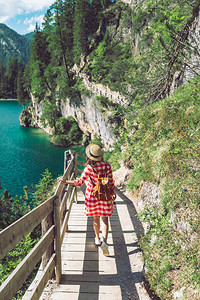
{"points": [[25, 153]]}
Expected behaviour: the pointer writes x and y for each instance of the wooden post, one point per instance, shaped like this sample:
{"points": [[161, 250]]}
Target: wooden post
{"points": [[65, 161], [76, 173], [46, 224], [67, 157], [57, 239]]}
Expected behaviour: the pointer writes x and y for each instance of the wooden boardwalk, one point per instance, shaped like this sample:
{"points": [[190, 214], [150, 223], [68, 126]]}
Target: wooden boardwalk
{"points": [[86, 273]]}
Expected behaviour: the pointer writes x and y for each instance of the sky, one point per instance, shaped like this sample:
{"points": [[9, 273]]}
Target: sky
{"points": [[22, 15]]}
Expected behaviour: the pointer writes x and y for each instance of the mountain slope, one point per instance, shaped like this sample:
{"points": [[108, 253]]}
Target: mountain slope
{"points": [[13, 44]]}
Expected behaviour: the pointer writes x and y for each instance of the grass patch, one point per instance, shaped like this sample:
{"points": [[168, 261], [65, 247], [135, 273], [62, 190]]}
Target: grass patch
{"points": [[162, 147]]}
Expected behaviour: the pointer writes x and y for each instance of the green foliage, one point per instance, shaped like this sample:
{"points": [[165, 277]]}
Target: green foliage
{"points": [[160, 136], [80, 29], [162, 148], [96, 140], [58, 28], [22, 91], [11, 210], [114, 158], [160, 257], [114, 112], [14, 257], [87, 16], [165, 26], [12, 81], [68, 132], [39, 61], [44, 187], [50, 114], [142, 63], [110, 63], [167, 260]]}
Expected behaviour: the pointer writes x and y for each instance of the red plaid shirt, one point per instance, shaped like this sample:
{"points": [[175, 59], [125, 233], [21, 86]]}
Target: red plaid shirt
{"points": [[94, 207]]}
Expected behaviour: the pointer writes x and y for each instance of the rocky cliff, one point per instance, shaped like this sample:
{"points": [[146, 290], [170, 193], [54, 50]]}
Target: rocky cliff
{"points": [[88, 115], [90, 118]]}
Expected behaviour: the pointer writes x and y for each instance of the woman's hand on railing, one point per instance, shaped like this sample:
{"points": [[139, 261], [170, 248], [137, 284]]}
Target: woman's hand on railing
{"points": [[61, 179]]}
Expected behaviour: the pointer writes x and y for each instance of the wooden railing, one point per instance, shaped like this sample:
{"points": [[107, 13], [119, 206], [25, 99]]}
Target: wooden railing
{"points": [[54, 215]]}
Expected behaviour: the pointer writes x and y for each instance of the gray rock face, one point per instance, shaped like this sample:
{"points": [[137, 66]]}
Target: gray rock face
{"points": [[149, 195], [193, 65], [90, 119], [88, 115], [180, 223]]}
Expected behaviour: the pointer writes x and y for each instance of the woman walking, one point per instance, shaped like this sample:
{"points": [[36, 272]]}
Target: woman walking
{"points": [[97, 208]]}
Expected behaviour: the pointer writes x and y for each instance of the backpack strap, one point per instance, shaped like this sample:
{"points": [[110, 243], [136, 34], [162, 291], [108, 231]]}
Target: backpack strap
{"points": [[105, 174], [91, 178], [105, 170]]}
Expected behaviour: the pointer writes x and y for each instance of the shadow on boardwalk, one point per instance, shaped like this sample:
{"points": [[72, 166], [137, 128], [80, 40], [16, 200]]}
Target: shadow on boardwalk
{"points": [[87, 274]]}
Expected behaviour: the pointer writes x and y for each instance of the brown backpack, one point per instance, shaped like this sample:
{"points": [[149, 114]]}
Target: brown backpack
{"points": [[103, 189]]}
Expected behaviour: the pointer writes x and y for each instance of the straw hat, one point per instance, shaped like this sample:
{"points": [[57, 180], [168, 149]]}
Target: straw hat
{"points": [[94, 152]]}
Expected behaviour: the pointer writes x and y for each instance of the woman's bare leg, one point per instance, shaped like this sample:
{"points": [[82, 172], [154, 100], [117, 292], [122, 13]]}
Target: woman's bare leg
{"points": [[96, 225], [105, 228]]}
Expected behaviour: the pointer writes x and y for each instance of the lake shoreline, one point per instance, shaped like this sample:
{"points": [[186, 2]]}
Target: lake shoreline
{"points": [[1, 99]]}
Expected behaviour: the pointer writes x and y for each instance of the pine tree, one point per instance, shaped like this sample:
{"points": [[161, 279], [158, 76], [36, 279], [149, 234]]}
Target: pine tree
{"points": [[58, 26], [2, 80], [61, 30], [40, 58], [11, 209], [22, 95], [80, 29], [50, 114], [11, 73]]}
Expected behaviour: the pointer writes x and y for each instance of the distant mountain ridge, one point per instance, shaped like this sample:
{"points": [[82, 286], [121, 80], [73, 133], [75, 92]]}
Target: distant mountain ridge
{"points": [[13, 44]]}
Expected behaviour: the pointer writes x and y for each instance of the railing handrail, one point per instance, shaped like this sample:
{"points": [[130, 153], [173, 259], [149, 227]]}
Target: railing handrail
{"points": [[28, 222], [14, 233]]}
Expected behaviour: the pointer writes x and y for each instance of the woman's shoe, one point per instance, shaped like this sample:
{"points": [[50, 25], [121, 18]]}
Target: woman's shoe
{"points": [[104, 248], [97, 242]]}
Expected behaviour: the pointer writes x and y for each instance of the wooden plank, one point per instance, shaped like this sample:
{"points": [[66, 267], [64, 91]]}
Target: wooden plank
{"points": [[66, 196], [64, 200], [67, 157], [81, 163], [57, 239], [89, 265], [46, 224], [91, 288], [75, 256], [84, 296], [81, 155], [80, 171], [65, 222], [78, 222], [13, 283], [13, 234], [85, 277], [75, 163], [66, 175], [79, 247], [42, 280]]}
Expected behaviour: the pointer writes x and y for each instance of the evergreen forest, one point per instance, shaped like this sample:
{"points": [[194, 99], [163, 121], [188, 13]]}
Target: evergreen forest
{"points": [[14, 57], [12, 84]]}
